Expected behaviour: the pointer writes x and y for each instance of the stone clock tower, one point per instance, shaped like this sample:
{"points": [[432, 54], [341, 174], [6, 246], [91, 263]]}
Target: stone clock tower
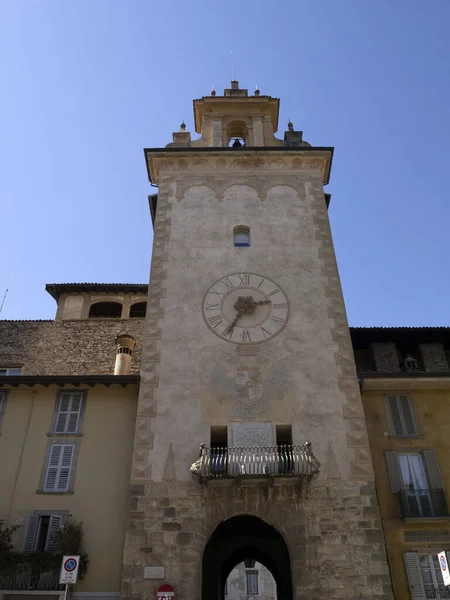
{"points": [[250, 442]]}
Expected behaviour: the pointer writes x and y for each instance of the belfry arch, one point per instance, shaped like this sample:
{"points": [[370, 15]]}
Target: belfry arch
{"points": [[242, 538]]}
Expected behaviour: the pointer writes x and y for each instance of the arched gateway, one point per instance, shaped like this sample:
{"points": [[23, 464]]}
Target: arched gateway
{"points": [[242, 538]]}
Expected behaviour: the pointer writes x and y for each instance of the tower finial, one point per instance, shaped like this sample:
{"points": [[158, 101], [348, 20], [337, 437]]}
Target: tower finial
{"points": [[183, 126], [213, 91]]}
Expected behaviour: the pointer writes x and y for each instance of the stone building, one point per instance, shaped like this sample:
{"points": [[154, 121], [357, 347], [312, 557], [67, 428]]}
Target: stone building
{"points": [[210, 425], [247, 356], [250, 579]]}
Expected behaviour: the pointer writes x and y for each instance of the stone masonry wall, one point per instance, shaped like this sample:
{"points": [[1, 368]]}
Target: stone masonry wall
{"points": [[333, 533], [434, 357], [67, 347], [386, 357]]}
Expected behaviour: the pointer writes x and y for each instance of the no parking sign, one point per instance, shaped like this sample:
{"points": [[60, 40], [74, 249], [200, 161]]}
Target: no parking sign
{"points": [[69, 569], [444, 568]]}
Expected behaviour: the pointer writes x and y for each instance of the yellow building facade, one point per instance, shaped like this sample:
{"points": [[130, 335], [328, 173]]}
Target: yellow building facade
{"points": [[65, 453], [406, 398]]}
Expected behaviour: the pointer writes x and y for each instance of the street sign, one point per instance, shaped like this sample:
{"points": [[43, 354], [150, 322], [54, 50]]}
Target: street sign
{"points": [[165, 592], [444, 568], [69, 569]]}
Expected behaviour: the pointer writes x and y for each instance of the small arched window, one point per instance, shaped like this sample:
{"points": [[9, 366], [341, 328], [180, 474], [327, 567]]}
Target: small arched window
{"points": [[241, 235], [138, 310], [105, 310]]}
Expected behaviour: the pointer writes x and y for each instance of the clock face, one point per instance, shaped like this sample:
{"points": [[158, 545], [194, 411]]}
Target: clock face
{"points": [[245, 308]]}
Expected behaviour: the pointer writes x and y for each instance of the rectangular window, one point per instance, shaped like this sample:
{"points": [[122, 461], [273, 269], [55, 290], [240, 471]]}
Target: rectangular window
{"points": [[401, 416], [432, 576], [69, 406], [10, 371], [417, 479], [252, 582], [59, 468], [40, 529]]}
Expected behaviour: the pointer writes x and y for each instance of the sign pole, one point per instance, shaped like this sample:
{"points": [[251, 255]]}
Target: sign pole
{"points": [[65, 591]]}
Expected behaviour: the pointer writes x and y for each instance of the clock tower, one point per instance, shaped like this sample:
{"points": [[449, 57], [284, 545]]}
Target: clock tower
{"points": [[250, 442]]}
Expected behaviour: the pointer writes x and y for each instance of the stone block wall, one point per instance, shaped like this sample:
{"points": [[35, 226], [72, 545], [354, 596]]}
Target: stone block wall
{"points": [[333, 534], [67, 347], [434, 357], [386, 357]]}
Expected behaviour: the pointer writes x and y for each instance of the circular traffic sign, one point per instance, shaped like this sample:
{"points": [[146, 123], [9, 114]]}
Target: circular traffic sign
{"points": [[443, 563], [165, 592], [70, 565]]}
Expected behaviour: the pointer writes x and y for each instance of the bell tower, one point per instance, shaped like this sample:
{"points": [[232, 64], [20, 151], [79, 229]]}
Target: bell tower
{"points": [[251, 442]]}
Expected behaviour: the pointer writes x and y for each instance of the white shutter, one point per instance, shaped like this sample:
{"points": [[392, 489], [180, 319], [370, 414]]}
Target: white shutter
{"points": [[414, 576], [30, 533], [55, 524], [65, 467], [52, 469], [59, 466], [69, 411]]}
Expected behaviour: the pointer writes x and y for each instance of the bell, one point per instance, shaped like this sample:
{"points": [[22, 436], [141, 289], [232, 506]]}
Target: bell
{"points": [[237, 144]]}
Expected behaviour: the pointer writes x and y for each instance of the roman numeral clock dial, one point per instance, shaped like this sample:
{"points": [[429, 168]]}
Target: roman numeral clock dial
{"points": [[245, 308]]}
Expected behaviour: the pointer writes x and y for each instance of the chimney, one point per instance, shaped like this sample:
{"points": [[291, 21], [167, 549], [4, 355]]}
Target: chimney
{"points": [[125, 344]]}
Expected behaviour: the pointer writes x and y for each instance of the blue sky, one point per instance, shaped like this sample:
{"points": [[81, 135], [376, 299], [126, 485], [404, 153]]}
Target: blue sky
{"points": [[87, 84]]}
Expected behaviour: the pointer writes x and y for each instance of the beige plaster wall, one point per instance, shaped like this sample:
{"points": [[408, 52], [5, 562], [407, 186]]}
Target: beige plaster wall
{"points": [[76, 306], [100, 491]]}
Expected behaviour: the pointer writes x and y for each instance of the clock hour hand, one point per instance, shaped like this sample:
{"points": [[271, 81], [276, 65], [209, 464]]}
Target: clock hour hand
{"points": [[229, 330]]}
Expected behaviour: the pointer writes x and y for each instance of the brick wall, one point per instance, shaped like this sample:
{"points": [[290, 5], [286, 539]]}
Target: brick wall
{"points": [[67, 347]]}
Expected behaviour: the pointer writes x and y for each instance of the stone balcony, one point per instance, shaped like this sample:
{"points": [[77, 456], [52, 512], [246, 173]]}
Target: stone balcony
{"points": [[254, 462]]}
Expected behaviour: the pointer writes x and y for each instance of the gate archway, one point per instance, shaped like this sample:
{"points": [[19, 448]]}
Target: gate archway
{"points": [[242, 538]]}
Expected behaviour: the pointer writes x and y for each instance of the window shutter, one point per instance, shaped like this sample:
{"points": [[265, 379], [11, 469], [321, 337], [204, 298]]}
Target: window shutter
{"points": [[394, 418], [408, 415], [52, 470], [55, 523], [74, 413], [433, 470], [401, 416], [65, 468], [414, 576], [59, 467], [69, 411], [393, 469], [30, 533]]}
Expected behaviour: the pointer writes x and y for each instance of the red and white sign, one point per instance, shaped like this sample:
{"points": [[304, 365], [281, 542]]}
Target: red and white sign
{"points": [[69, 569], [444, 567], [165, 592]]}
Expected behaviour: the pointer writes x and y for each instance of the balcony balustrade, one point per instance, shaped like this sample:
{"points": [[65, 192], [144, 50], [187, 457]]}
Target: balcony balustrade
{"points": [[26, 580], [258, 461], [422, 503]]}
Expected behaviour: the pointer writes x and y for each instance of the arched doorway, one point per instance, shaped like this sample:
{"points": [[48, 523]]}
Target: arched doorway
{"points": [[244, 538]]}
